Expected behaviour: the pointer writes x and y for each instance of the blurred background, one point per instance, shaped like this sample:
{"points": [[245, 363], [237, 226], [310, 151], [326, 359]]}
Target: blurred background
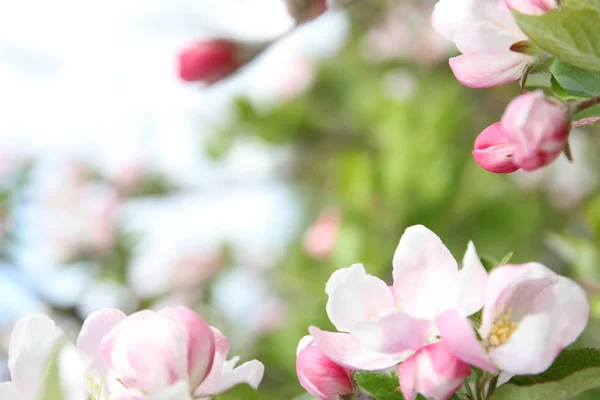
{"points": [[123, 186]]}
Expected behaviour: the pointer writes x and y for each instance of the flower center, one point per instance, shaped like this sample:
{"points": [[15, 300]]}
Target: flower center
{"points": [[502, 329], [96, 388]]}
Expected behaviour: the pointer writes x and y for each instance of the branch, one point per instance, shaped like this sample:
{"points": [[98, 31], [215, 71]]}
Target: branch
{"points": [[586, 121]]}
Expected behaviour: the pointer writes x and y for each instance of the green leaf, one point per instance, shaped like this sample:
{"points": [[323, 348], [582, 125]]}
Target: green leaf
{"points": [[572, 35], [304, 397], [51, 389], [239, 392], [506, 258], [573, 372], [379, 385], [578, 4], [488, 262], [576, 81]]}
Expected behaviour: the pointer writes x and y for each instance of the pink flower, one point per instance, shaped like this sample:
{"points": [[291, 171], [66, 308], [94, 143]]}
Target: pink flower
{"points": [[434, 372], [493, 150], [320, 376], [537, 128], [146, 353], [529, 316], [532, 7], [382, 327], [319, 239], [224, 374], [484, 31], [35, 341], [209, 60]]}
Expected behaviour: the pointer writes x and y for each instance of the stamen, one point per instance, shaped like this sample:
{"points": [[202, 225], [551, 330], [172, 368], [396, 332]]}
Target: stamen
{"points": [[502, 329]]}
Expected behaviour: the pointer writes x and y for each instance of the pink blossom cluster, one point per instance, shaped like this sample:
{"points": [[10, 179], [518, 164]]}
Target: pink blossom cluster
{"points": [[534, 130], [172, 354], [421, 325]]}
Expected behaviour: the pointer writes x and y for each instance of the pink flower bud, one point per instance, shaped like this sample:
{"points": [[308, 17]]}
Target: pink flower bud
{"points": [[320, 376], [537, 128], [493, 151], [209, 61], [434, 372], [532, 7], [320, 237], [306, 10]]}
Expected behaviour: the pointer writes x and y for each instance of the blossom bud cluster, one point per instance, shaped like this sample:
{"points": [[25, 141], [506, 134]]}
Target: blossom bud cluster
{"points": [[420, 325]]}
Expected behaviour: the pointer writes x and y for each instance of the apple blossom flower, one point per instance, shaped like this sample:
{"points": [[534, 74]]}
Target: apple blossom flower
{"points": [[529, 316], [224, 374], [35, 341], [147, 353], [494, 151], [532, 7], [320, 237], [433, 371], [380, 326], [484, 31], [320, 376], [532, 134], [538, 129]]}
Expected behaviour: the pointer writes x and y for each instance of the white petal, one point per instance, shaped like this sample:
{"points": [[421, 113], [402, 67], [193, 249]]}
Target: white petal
{"points": [[10, 391], [34, 339], [355, 296], [95, 327], [425, 273], [472, 281]]}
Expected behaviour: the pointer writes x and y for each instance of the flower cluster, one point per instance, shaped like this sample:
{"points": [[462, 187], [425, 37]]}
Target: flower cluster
{"points": [[171, 354], [421, 324]]}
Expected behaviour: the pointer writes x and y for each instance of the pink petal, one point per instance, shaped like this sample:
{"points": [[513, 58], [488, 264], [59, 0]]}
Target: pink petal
{"points": [[95, 327], [348, 352], [480, 70], [459, 336], [424, 273], [531, 7], [355, 296], [201, 342], [433, 371], [320, 376], [393, 333], [571, 310]]}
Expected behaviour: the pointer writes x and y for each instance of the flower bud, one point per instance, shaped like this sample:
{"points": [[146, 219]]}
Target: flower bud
{"points": [[209, 61], [306, 10], [320, 376], [434, 372], [537, 129], [319, 239], [532, 7], [493, 151]]}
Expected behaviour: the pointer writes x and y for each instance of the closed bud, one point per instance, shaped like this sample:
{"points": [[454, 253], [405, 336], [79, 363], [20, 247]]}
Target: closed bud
{"points": [[434, 372], [209, 61], [537, 129], [493, 151], [320, 376], [306, 10]]}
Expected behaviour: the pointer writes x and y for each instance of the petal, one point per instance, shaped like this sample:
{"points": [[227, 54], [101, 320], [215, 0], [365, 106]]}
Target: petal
{"points": [[355, 296], [201, 342], [458, 334], [531, 7], [529, 349], [433, 371], [250, 373], [480, 70], [348, 352], [571, 310], [9, 391], [393, 333], [424, 273], [472, 280], [147, 352], [95, 327], [33, 341]]}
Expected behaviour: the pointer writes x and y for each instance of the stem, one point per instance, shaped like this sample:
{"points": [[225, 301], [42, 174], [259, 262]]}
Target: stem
{"points": [[582, 105], [586, 121]]}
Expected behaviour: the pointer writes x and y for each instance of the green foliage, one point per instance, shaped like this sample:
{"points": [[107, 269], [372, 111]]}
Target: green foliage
{"points": [[570, 34], [380, 386], [573, 373], [239, 392], [575, 81]]}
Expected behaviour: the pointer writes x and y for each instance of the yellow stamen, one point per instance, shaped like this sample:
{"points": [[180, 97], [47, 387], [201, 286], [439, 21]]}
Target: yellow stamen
{"points": [[502, 329]]}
